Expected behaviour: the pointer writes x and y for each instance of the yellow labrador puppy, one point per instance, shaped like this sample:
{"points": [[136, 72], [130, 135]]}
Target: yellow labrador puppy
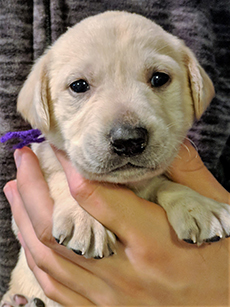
{"points": [[117, 94]]}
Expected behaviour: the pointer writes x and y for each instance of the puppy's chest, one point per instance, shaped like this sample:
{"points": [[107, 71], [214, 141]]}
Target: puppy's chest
{"points": [[148, 189]]}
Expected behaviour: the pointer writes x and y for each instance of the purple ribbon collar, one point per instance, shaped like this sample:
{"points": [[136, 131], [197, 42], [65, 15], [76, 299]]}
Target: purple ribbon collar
{"points": [[26, 137]]}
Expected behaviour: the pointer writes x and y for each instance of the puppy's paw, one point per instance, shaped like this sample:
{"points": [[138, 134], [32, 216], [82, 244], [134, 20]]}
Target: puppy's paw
{"points": [[77, 230], [200, 220], [19, 300]]}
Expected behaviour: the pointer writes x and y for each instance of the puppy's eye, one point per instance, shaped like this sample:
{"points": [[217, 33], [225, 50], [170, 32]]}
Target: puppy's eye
{"points": [[159, 78], [79, 86]]}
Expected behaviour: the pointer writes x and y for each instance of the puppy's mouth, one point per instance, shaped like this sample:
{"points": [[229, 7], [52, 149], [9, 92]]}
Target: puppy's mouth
{"points": [[130, 173], [127, 167], [127, 173]]}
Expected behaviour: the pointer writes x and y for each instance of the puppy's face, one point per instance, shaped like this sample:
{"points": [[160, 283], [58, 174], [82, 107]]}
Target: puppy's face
{"points": [[117, 94]]}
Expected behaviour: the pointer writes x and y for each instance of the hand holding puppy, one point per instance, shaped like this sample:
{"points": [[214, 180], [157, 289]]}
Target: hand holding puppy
{"points": [[151, 267]]}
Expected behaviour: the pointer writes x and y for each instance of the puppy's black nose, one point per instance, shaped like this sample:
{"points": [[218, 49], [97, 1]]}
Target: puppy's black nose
{"points": [[127, 140]]}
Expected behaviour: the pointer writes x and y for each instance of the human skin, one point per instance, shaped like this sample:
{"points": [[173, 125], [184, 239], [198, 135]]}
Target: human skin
{"points": [[150, 267]]}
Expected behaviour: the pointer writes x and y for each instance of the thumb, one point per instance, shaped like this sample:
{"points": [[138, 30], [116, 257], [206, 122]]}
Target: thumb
{"points": [[189, 170]]}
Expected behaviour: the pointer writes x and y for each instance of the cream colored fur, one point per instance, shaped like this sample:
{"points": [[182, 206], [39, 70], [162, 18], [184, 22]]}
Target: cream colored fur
{"points": [[117, 54]]}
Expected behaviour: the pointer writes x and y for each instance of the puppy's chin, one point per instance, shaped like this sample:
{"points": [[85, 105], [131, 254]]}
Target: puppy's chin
{"points": [[131, 177], [126, 175]]}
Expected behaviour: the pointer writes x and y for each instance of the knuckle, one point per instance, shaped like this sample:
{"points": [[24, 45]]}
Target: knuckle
{"points": [[49, 290], [83, 189], [146, 254], [44, 235], [40, 260]]}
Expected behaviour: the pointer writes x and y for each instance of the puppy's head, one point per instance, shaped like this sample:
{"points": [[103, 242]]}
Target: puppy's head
{"points": [[118, 94]]}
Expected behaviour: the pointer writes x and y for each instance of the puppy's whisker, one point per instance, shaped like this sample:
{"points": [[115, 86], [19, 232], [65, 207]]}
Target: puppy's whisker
{"points": [[188, 150], [194, 145], [170, 125]]}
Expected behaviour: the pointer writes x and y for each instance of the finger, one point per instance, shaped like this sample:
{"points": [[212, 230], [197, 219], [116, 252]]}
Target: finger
{"points": [[42, 259], [110, 204], [54, 289], [188, 169], [68, 274], [35, 195], [20, 215]]}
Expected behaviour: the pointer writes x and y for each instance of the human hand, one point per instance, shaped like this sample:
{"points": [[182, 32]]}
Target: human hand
{"points": [[188, 169], [151, 266]]}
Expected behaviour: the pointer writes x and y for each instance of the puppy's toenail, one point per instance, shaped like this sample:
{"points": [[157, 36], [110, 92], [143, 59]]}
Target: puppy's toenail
{"points": [[190, 241], [77, 251], [57, 240], [38, 303], [213, 239], [60, 240], [98, 257], [20, 300]]}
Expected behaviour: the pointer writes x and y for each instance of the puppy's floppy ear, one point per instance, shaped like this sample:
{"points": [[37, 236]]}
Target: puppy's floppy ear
{"points": [[33, 98], [202, 89]]}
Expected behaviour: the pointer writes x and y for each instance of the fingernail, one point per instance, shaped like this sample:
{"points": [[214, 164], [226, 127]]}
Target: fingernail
{"points": [[17, 157], [8, 193]]}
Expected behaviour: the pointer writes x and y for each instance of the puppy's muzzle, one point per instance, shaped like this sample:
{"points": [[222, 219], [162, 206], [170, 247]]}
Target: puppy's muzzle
{"points": [[127, 140]]}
